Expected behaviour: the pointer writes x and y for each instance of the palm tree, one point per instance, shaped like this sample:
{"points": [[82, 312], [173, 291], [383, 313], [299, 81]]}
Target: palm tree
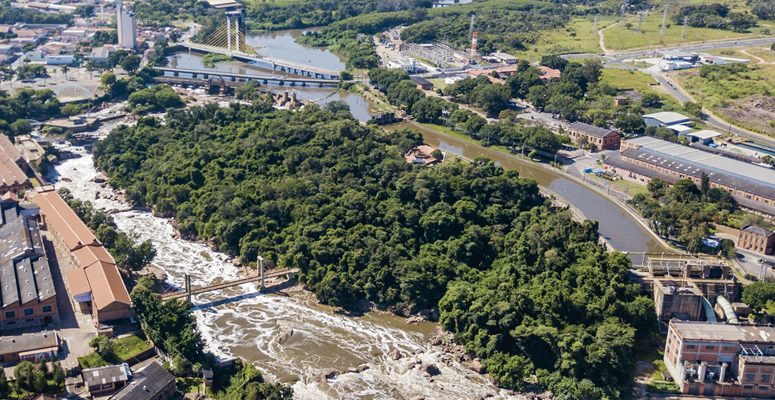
{"points": [[65, 68], [89, 68]]}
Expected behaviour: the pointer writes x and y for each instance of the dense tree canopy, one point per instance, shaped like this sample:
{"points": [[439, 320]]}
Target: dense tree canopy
{"points": [[524, 287]]}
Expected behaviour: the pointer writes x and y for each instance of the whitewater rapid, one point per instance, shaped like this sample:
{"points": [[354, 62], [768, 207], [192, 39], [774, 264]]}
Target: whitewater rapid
{"points": [[239, 322]]}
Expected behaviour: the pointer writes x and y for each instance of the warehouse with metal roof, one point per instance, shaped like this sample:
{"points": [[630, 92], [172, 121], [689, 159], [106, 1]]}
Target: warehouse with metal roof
{"points": [[752, 186]]}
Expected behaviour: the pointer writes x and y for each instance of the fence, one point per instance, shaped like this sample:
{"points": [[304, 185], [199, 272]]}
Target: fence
{"points": [[606, 187]]}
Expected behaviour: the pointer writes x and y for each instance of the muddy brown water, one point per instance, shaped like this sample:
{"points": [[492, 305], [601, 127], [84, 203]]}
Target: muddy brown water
{"points": [[615, 224]]}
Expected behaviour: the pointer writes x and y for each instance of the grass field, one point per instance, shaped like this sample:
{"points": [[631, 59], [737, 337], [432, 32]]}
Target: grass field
{"points": [[621, 38], [623, 79], [764, 53], [577, 37], [130, 346]]}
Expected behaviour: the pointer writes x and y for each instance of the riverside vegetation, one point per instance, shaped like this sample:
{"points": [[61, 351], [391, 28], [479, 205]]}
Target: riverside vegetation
{"points": [[524, 287]]}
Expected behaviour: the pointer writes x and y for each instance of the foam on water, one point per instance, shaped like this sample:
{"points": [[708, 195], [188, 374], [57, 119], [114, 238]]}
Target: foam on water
{"points": [[238, 322]]}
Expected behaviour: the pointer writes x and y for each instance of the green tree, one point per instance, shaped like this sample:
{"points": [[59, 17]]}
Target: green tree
{"points": [[84, 11], [758, 294], [103, 346], [130, 64], [70, 109], [492, 98], [108, 79], [650, 99], [21, 127]]}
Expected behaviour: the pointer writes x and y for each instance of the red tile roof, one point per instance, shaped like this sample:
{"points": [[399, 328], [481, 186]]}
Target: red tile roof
{"points": [[100, 269]]}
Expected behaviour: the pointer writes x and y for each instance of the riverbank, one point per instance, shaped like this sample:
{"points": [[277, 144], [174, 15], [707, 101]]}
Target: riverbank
{"points": [[627, 232]]}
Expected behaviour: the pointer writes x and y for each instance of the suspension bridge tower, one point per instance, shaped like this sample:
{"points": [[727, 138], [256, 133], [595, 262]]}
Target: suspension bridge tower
{"points": [[230, 36]]}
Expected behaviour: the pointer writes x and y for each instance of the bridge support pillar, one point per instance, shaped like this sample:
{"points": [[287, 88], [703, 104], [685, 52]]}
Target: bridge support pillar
{"points": [[188, 287], [175, 74], [261, 268]]}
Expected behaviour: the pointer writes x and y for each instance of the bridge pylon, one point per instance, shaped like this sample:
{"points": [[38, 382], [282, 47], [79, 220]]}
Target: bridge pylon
{"points": [[231, 36]]}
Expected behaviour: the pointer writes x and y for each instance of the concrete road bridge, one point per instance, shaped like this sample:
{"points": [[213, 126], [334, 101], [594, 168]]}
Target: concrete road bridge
{"points": [[238, 77]]}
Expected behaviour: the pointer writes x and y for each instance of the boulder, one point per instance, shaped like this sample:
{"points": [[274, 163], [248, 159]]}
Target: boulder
{"points": [[326, 375], [477, 366], [436, 342], [396, 355], [431, 369], [284, 335], [353, 370], [363, 367]]}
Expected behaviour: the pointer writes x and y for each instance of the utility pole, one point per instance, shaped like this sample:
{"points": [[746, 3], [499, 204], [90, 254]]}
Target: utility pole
{"points": [[664, 20]]}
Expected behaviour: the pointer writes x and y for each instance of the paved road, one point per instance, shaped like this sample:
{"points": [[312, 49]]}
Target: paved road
{"points": [[618, 57]]}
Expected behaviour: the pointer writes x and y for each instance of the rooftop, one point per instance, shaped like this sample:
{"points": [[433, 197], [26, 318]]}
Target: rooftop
{"points": [[148, 381], [668, 117], [591, 129], [503, 56], [756, 230], [704, 134], [726, 332], [106, 375], [24, 271], [720, 169], [28, 342], [100, 270], [10, 173]]}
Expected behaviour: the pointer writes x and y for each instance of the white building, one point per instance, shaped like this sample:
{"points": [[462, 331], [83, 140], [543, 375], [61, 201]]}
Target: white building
{"points": [[666, 118], [60, 59], [127, 31], [409, 65]]}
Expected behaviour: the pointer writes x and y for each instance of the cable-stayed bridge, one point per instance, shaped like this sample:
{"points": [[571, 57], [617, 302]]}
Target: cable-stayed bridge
{"points": [[229, 39]]}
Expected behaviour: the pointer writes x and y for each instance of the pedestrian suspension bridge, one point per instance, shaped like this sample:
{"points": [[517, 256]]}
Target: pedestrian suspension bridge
{"points": [[190, 290]]}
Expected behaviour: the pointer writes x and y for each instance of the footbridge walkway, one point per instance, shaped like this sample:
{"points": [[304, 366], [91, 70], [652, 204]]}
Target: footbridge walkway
{"points": [[191, 290]]}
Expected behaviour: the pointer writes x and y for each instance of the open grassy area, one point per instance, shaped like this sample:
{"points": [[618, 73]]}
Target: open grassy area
{"points": [[130, 346], [744, 98], [622, 185], [621, 38], [756, 54], [124, 349], [577, 37], [640, 82], [92, 360]]}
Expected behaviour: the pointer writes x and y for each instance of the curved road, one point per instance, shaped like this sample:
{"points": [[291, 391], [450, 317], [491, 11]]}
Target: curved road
{"points": [[617, 62]]}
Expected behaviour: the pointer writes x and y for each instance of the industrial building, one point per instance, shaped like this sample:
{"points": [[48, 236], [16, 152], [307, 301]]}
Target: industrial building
{"points": [[752, 186], [12, 176], [704, 136], [29, 347], [678, 123], [26, 284], [719, 359], [95, 281], [602, 138], [756, 239]]}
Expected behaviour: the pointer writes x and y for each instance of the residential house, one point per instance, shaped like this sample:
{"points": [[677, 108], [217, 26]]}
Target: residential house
{"points": [[106, 379], [151, 382]]}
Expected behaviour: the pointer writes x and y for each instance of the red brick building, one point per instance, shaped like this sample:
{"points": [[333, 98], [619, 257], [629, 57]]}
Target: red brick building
{"points": [[719, 359], [756, 239]]}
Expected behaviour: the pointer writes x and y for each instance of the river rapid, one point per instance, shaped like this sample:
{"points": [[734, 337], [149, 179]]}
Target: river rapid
{"points": [[239, 322]]}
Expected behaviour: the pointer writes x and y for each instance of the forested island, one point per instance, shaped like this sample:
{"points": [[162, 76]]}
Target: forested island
{"points": [[522, 286]]}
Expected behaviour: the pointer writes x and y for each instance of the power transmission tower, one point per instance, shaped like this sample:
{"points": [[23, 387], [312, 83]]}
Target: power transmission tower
{"points": [[471, 29], [664, 20], [683, 28], [641, 19], [594, 27]]}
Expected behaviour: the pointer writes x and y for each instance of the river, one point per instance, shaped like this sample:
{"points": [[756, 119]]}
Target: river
{"points": [[282, 45], [239, 322], [615, 224]]}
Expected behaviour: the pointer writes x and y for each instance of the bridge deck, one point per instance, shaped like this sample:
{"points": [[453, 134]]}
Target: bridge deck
{"points": [[228, 284], [246, 76], [275, 61]]}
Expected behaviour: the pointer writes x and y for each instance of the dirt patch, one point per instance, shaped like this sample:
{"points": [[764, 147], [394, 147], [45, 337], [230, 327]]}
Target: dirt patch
{"points": [[753, 111]]}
